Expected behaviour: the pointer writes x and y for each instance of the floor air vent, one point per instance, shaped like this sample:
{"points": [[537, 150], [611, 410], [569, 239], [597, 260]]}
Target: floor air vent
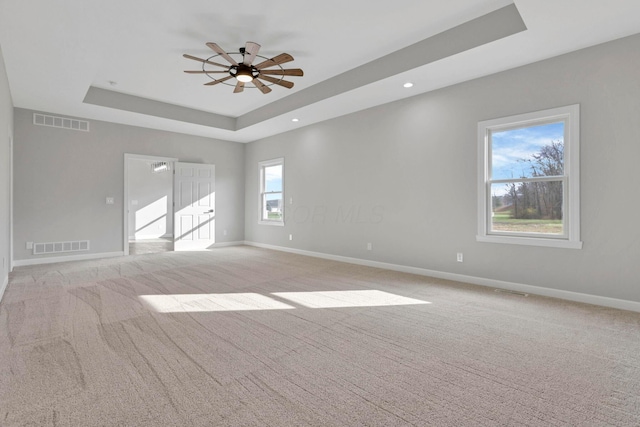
{"points": [[60, 122], [507, 291], [58, 247]]}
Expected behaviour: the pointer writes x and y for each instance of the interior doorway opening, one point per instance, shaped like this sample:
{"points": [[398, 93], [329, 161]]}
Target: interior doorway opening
{"points": [[148, 212], [150, 246]]}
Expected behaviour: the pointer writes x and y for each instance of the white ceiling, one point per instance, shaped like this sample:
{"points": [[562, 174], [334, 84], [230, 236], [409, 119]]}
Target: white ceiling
{"points": [[55, 51]]}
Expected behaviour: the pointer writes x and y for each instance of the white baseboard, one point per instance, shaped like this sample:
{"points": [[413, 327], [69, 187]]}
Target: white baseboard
{"points": [[5, 282], [51, 260], [142, 238], [225, 244], [529, 289]]}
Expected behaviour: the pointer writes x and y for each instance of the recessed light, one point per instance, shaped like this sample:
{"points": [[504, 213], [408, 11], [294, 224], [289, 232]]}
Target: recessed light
{"points": [[295, 120], [408, 84]]}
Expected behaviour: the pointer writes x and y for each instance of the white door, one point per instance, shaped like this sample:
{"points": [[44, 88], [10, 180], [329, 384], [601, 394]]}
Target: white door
{"points": [[194, 206]]}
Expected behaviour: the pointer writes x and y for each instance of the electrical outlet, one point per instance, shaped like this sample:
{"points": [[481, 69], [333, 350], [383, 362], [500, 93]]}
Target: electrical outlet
{"points": [[459, 257], [369, 246]]}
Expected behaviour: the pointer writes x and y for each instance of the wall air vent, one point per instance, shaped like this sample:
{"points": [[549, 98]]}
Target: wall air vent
{"points": [[157, 167], [57, 247], [60, 122]]}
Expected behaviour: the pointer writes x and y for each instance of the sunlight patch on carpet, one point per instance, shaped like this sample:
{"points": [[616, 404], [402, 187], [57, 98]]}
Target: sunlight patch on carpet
{"points": [[336, 299], [188, 303]]}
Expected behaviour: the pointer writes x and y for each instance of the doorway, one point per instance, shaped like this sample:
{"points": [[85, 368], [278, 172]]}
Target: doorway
{"points": [[168, 205], [148, 197]]}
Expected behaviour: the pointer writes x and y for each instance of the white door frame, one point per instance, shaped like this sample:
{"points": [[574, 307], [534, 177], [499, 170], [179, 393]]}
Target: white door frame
{"points": [[125, 203]]}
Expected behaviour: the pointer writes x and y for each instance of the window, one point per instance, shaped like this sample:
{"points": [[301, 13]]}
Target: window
{"points": [[528, 179], [272, 192]]}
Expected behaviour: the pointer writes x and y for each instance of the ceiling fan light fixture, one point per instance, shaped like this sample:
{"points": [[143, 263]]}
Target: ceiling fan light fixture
{"points": [[243, 73], [244, 77]]}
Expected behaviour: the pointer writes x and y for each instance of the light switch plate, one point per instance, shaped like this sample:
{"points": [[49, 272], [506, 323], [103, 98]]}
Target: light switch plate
{"points": [[110, 200]]}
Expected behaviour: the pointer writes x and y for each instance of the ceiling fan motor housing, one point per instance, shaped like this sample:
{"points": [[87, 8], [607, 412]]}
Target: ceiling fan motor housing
{"points": [[241, 70]]}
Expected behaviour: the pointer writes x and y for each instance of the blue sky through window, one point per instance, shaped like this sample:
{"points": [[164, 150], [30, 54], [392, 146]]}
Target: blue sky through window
{"points": [[273, 178], [510, 147]]}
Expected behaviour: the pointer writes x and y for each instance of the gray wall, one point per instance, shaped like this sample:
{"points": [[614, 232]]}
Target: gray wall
{"points": [[62, 178], [6, 133], [403, 177], [150, 194]]}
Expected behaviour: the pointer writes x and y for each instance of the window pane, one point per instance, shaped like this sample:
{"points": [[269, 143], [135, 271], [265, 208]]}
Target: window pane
{"points": [[273, 178], [273, 206], [527, 207], [528, 152]]}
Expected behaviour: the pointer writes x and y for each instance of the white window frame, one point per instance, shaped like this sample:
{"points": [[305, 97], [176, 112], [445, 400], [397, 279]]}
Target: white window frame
{"points": [[261, 196], [571, 178]]}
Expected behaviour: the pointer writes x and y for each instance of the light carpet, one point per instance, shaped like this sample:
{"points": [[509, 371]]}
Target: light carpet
{"points": [[243, 336]]}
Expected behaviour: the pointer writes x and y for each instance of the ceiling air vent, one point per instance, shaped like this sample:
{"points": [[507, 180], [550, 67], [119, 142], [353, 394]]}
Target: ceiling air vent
{"points": [[60, 122]]}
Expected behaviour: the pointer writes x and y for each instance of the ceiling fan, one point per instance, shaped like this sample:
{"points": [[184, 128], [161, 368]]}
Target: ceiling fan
{"points": [[242, 69]]}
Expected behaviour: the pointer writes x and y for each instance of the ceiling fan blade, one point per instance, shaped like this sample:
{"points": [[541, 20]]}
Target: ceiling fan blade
{"points": [[203, 72], [251, 49], [276, 60], [217, 49], [290, 72], [279, 82], [239, 87], [215, 82], [264, 89], [205, 61]]}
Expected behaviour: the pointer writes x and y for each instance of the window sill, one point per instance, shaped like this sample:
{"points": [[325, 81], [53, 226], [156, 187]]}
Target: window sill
{"points": [[531, 241], [276, 223]]}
